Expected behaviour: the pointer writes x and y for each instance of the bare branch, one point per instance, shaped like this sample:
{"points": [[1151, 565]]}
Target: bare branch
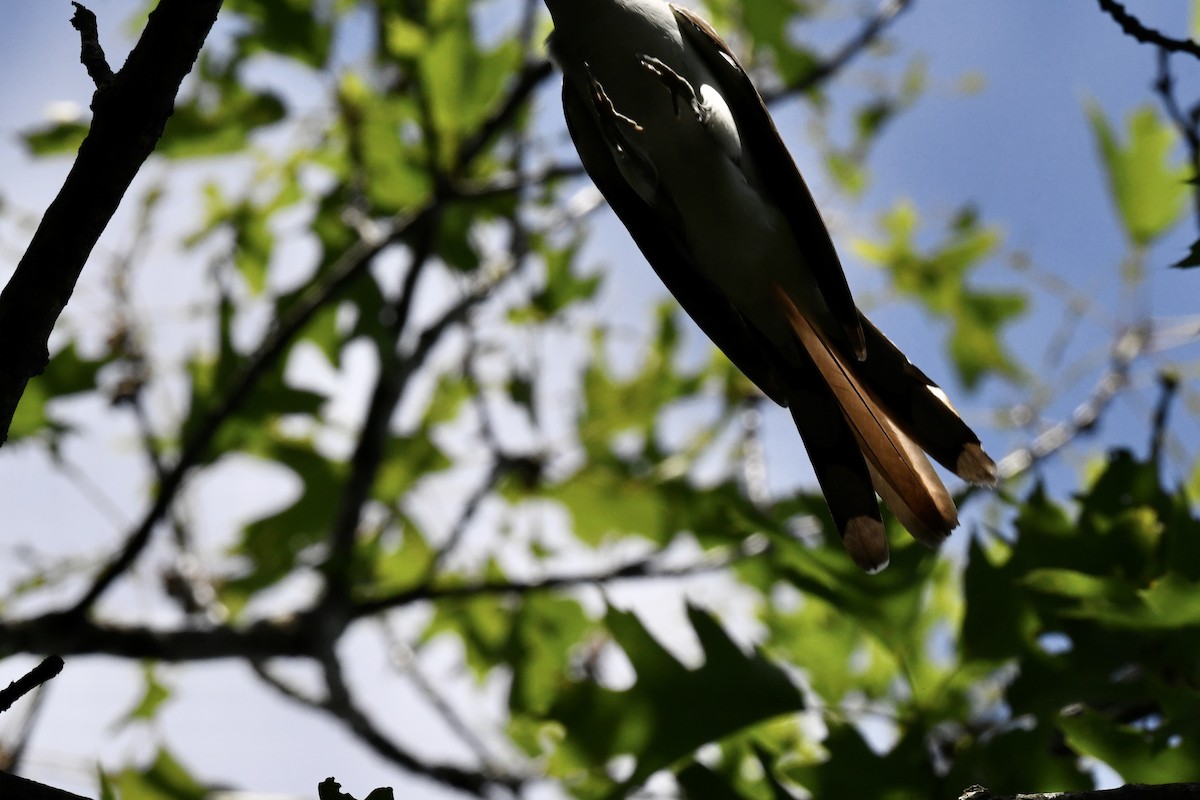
{"points": [[130, 112], [870, 32], [1132, 791], [1168, 387], [1185, 123], [1129, 346], [91, 54], [639, 569], [1133, 27], [341, 705], [30, 681]]}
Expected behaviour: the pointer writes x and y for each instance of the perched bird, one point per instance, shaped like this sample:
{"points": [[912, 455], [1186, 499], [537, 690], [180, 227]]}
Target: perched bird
{"points": [[674, 134]]}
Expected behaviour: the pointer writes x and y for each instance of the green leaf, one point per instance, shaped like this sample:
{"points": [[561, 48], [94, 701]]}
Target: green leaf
{"points": [[392, 564], [608, 497], [855, 770], [56, 139], [107, 790], [154, 694], [66, 375], [670, 710], [273, 544], [1149, 191], [701, 783], [406, 460], [561, 289], [546, 632], [484, 625], [165, 779], [390, 158], [769, 24], [1171, 602], [291, 28], [460, 81], [1138, 756], [220, 117], [937, 278]]}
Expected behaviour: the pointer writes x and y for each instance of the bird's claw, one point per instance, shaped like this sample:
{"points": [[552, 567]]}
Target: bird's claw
{"points": [[605, 109], [676, 84]]}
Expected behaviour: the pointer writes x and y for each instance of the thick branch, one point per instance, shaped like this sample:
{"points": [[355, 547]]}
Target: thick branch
{"points": [[74, 635], [129, 115], [1132, 791]]}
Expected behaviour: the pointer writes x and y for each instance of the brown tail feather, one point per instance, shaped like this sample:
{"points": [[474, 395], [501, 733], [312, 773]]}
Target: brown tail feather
{"points": [[921, 409], [900, 472]]}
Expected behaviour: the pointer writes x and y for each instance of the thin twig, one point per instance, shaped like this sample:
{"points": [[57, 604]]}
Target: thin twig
{"points": [[1168, 387], [404, 659], [1135, 29], [1129, 346], [640, 569], [349, 266], [91, 54], [1186, 124], [394, 374], [341, 704], [31, 680], [866, 36]]}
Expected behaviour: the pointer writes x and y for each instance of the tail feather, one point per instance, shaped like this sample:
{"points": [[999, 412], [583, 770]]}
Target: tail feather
{"points": [[921, 409], [841, 470], [898, 469]]}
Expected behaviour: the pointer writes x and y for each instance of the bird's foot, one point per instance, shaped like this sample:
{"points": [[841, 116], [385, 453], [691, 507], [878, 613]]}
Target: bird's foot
{"points": [[676, 84], [606, 111]]}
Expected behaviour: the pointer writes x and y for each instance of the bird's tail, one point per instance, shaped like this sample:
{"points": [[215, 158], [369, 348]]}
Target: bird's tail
{"points": [[866, 426]]}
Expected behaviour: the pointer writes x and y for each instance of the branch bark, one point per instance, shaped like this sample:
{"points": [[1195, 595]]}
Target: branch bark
{"points": [[1132, 791], [129, 114]]}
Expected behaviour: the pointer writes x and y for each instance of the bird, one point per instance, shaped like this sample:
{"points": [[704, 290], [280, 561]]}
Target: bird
{"points": [[674, 134]]}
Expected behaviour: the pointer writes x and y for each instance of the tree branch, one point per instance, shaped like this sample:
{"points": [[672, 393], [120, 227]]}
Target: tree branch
{"points": [[341, 705], [1128, 347], [130, 112], [1185, 123], [639, 569], [67, 634], [91, 54], [30, 681], [1133, 27], [870, 32], [1132, 791]]}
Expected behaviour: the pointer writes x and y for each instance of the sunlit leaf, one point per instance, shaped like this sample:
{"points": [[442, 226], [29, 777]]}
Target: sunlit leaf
{"points": [[1149, 191], [1137, 756]]}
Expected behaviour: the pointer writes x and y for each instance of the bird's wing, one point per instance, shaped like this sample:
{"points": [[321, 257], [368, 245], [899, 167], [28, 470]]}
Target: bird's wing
{"points": [[654, 230], [776, 171]]}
